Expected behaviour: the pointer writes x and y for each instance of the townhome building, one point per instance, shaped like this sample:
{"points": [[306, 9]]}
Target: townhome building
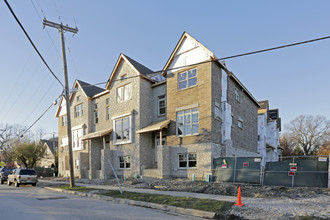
{"points": [[269, 128], [171, 123]]}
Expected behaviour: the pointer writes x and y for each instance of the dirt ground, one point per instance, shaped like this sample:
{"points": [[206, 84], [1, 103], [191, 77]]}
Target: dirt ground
{"points": [[227, 189], [266, 202]]}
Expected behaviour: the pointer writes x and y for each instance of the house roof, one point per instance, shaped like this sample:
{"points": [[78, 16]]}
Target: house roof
{"points": [[89, 89], [51, 143], [212, 56], [154, 127], [138, 67], [183, 37], [96, 134]]}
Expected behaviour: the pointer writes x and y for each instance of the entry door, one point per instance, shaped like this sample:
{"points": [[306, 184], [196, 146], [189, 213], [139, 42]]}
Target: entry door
{"points": [[157, 144]]}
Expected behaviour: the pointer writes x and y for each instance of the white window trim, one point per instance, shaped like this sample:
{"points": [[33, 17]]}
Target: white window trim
{"points": [[124, 92], [80, 143], [187, 167], [130, 161], [192, 134], [158, 107], [130, 140], [187, 79]]}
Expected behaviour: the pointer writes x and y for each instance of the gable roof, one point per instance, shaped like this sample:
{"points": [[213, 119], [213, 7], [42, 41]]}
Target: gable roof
{"points": [[51, 143], [59, 107], [212, 56], [138, 67], [89, 89], [177, 47]]}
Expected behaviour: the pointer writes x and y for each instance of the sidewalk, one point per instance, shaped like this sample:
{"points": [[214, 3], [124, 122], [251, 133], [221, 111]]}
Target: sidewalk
{"points": [[255, 208]]}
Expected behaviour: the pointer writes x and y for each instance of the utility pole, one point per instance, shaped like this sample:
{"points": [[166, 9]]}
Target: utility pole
{"points": [[61, 28]]}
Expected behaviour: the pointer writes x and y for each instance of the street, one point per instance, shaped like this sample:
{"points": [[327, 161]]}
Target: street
{"points": [[27, 202]]}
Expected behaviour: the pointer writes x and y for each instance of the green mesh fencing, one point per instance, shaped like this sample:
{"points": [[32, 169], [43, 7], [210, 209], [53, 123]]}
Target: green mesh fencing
{"points": [[310, 172], [239, 169]]}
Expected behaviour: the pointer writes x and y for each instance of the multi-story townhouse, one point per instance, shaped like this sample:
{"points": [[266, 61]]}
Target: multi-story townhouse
{"points": [[269, 127], [165, 125], [82, 122], [212, 114]]}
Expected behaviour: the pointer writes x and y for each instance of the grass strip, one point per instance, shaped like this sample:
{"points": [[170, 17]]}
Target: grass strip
{"points": [[184, 202], [76, 188]]}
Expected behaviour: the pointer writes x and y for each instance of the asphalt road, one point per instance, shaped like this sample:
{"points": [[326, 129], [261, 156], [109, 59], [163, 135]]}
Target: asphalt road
{"points": [[27, 202]]}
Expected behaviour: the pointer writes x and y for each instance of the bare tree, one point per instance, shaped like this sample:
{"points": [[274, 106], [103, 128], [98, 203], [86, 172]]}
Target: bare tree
{"points": [[9, 136], [309, 132]]}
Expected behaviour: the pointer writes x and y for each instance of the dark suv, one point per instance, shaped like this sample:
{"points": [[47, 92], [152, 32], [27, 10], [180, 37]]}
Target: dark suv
{"points": [[4, 171]]}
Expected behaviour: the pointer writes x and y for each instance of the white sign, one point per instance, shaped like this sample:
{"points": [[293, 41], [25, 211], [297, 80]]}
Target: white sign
{"points": [[323, 159]]}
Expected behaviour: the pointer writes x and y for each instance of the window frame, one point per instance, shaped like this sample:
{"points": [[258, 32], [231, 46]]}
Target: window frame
{"points": [[108, 116], [187, 160], [130, 129], [160, 99], [79, 110], [125, 162], [64, 120], [124, 93], [187, 78], [186, 113], [237, 94], [240, 123]]}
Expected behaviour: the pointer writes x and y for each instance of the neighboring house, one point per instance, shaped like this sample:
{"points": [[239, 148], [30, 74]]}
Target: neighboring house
{"points": [[49, 159], [169, 124], [269, 127]]}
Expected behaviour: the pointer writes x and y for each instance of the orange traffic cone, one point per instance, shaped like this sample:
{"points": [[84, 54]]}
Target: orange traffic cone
{"points": [[239, 200]]}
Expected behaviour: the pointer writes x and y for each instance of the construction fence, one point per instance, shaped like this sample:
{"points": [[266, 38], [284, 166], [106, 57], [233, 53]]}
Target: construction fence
{"points": [[302, 171]]}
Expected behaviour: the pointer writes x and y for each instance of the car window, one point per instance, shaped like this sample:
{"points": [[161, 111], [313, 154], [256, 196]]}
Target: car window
{"points": [[28, 172]]}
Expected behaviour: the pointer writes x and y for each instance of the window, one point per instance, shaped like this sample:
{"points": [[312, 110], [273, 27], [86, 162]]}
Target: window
{"points": [[187, 122], [78, 98], [96, 106], [96, 117], [237, 94], [77, 164], [108, 113], [161, 105], [64, 120], [187, 79], [123, 130], [78, 110], [107, 101], [125, 162], [240, 123], [124, 93], [77, 143], [187, 160]]}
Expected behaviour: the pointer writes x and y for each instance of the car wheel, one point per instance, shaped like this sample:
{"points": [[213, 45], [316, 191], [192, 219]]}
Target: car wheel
{"points": [[2, 181], [34, 184], [16, 184], [8, 183]]}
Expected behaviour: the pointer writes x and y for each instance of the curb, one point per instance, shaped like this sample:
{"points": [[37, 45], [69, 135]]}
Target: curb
{"points": [[167, 208]]}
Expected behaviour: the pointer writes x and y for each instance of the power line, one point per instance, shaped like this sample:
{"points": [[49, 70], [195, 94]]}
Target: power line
{"points": [[26, 34], [226, 58], [35, 8], [54, 103]]}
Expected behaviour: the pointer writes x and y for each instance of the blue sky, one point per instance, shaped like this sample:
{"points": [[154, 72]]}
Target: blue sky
{"points": [[295, 80]]}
